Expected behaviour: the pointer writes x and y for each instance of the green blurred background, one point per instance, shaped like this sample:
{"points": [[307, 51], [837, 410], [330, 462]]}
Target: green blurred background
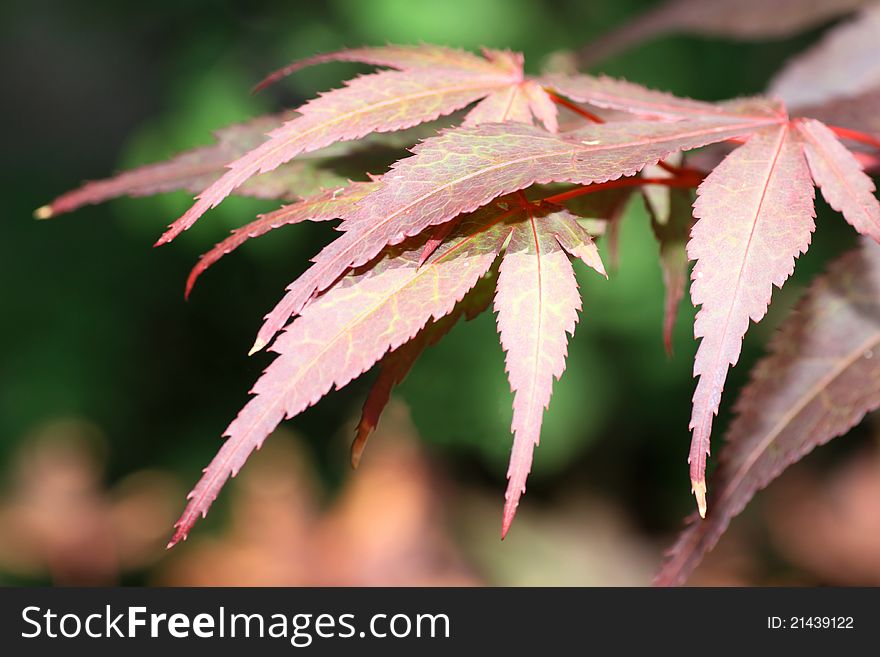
{"points": [[106, 372]]}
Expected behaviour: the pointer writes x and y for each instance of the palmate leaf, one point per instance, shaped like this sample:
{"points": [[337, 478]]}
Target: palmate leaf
{"points": [[754, 217], [465, 168], [537, 304], [393, 100], [404, 305], [821, 376], [414, 242], [347, 330], [845, 62]]}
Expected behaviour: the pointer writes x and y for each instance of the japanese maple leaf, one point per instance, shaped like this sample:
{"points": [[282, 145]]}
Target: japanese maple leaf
{"points": [[818, 381], [537, 304], [403, 304], [428, 83], [381, 102], [416, 244], [464, 168], [755, 216], [347, 330]]}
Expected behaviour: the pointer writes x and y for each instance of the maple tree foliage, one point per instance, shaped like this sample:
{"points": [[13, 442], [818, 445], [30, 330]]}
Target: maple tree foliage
{"points": [[817, 382], [491, 213]]}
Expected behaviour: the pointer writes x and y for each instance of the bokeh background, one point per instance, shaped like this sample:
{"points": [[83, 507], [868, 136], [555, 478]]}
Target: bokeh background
{"points": [[114, 391]]}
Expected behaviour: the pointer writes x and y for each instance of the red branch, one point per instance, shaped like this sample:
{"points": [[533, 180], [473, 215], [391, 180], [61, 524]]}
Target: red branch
{"points": [[559, 100], [855, 135], [691, 180]]}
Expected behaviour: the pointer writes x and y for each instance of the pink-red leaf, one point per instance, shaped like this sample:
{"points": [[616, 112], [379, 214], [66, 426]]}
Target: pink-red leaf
{"points": [[537, 304], [330, 204], [820, 378], [345, 332], [840, 177], [754, 217], [463, 169]]}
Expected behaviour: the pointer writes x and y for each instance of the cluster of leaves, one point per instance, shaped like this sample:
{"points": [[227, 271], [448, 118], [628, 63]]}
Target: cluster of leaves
{"points": [[491, 212]]}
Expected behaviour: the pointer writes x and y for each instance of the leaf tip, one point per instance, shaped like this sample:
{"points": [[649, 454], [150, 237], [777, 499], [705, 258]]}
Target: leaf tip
{"points": [[698, 488], [43, 212], [191, 280], [509, 514], [173, 231], [179, 535], [258, 345]]}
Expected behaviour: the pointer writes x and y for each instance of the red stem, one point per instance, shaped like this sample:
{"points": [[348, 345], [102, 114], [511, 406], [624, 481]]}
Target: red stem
{"points": [[855, 135], [559, 100], [683, 172], [634, 181]]}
